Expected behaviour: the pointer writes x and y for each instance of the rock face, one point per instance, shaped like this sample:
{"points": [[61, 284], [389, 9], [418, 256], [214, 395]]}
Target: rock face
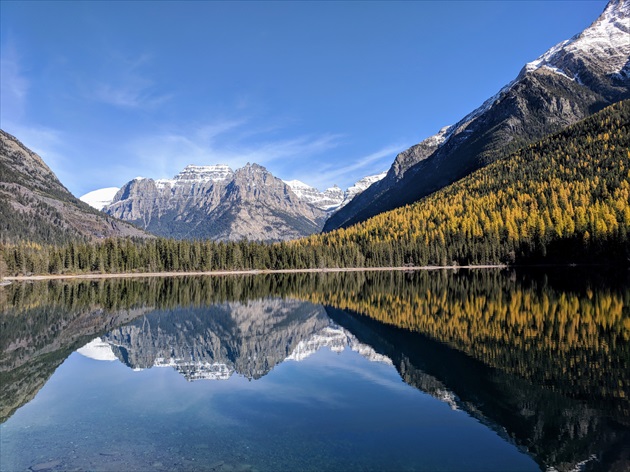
{"points": [[245, 338], [35, 206], [217, 203], [327, 200], [569, 82], [333, 198]]}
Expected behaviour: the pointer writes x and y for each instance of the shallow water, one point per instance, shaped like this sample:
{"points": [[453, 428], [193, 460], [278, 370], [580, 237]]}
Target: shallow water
{"points": [[254, 374]]}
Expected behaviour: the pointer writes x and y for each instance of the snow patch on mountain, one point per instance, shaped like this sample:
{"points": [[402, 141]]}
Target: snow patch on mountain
{"points": [[100, 198], [361, 185], [99, 350], [192, 174], [336, 339], [608, 36], [213, 173], [332, 198], [196, 370], [326, 200]]}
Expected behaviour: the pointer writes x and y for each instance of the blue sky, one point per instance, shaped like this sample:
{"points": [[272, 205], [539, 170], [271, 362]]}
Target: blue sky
{"points": [[323, 92]]}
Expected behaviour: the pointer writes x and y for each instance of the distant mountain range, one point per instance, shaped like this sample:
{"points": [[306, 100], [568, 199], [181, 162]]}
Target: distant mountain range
{"points": [[213, 343], [36, 207], [569, 82], [216, 202]]}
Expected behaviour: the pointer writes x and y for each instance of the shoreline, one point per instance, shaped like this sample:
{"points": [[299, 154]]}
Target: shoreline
{"points": [[221, 273]]}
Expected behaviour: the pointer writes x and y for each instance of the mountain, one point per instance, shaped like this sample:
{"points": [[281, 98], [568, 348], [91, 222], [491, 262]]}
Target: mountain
{"points": [[217, 203], [100, 198], [216, 341], [360, 186], [564, 199], [328, 200], [36, 207], [332, 198], [196, 203], [569, 82]]}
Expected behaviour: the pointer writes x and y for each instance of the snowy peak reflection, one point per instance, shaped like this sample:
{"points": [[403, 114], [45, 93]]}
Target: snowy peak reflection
{"points": [[216, 341], [336, 339]]}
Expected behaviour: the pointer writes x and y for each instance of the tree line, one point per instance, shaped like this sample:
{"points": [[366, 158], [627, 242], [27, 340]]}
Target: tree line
{"points": [[563, 199]]}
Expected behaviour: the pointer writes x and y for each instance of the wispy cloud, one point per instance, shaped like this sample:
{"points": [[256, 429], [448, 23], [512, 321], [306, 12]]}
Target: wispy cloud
{"points": [[129, 95], [14, 85], [128, 86], [323, 175], [163, 155]]}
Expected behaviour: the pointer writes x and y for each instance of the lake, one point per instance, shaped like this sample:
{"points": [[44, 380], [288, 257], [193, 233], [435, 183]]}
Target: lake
{"points": [[468, 370]]}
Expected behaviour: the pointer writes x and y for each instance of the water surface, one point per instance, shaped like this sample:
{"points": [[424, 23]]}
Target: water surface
{"points": [[365, 371]]}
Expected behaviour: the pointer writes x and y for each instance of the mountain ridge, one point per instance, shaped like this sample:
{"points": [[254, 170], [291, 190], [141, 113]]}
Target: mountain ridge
{"points": [[219, 203], [570, 81], [35, 206]]}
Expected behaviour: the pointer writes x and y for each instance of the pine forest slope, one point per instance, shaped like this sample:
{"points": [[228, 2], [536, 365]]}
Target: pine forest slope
{"points": [[36, 207], [566, 84], [565, 199]]}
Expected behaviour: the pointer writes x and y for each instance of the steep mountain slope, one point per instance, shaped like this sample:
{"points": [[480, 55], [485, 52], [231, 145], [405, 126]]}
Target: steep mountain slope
{"points": [[35, 206], [563, 199], [217, 203], [569, 82]]}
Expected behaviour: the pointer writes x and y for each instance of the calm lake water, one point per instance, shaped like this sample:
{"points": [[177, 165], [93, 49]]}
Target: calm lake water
{"points": [[437, 371]]}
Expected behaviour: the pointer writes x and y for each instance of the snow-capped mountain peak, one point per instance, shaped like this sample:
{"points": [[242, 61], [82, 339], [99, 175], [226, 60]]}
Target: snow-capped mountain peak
{"points": [[333, 197], [326, 200], [297, 184], [608, 37], [99, 350], [213, 173], [336, 339], [361, 185], [100, 198]]}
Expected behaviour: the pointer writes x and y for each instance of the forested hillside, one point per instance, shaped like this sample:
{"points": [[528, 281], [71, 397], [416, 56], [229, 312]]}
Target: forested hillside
{"points": [[564, 199]]}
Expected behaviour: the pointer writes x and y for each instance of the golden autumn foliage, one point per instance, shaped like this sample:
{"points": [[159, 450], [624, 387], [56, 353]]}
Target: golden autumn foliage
{"points": [[568, 193]]}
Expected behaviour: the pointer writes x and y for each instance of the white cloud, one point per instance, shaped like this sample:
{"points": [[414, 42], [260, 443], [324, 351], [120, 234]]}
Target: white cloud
{"points": [[128, 87], [326, 174], [133, 94], [14, 85], [163, 155]]}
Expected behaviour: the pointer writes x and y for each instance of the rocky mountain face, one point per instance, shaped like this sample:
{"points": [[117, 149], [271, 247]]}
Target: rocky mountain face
{"points": [[35, 206], [333, 198], [218, 203], [569, 82], [217, 341]]}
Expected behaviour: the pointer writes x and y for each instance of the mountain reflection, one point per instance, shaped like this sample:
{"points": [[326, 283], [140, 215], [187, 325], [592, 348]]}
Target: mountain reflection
{"points": [[217, 341], [542, 359]]}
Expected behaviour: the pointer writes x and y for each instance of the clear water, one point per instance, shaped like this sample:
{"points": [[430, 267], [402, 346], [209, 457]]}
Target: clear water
{"points": [[303, 387]]}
